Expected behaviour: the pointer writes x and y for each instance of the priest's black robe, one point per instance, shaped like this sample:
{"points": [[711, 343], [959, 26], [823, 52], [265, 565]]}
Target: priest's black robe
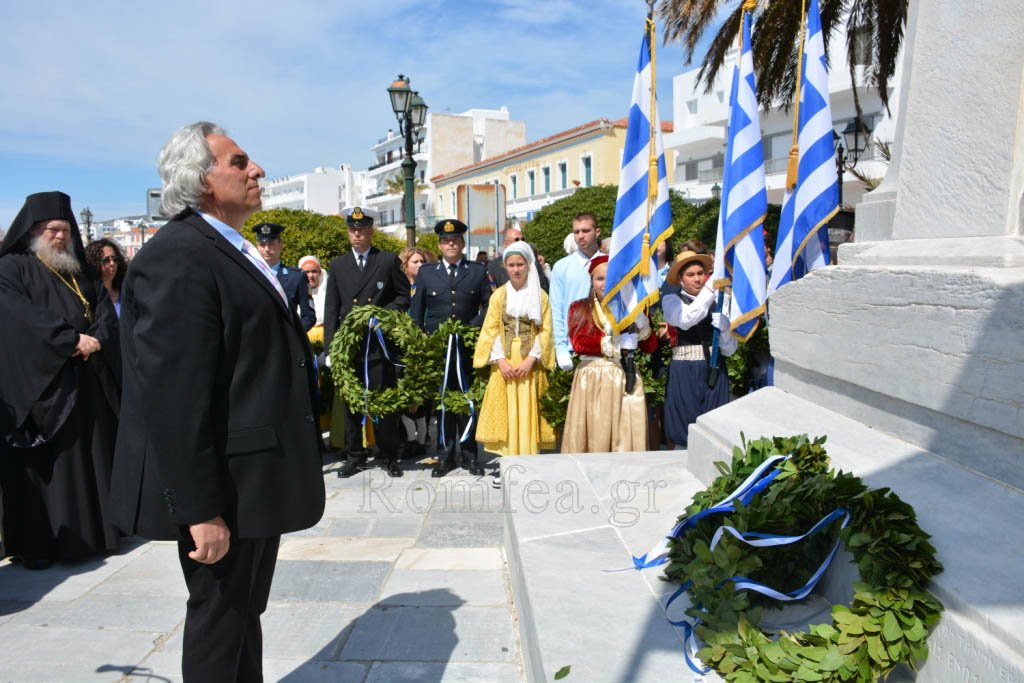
{"points": [[57, 414]]}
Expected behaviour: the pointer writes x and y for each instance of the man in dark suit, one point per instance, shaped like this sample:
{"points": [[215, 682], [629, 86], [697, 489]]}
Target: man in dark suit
{"points": [[218, 445], [293, 280], [367, 275], [453, 288]]}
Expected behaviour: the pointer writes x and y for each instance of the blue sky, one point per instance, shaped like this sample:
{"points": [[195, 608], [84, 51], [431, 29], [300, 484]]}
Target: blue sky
{"points": [[91, 90]]}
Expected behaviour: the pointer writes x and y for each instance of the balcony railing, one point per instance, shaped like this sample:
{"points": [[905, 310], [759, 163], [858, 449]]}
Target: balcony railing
{"points": [[711, 175]]}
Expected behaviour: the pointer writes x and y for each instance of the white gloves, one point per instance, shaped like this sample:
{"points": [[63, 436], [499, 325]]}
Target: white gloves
{"points": [[564, 359], [643, 326], [720, 321], [628, 341], [327, 361]]}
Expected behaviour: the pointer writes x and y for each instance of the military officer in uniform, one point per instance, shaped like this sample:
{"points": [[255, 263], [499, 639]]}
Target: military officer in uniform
{"points": [[366, 275], [293, 280], [453, 288]]}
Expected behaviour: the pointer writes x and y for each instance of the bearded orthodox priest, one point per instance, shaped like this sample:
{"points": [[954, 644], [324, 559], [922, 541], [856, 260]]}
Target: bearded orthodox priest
{"points": [[57, 391]]}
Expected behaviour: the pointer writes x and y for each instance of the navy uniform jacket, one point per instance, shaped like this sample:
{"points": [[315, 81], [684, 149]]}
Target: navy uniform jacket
{"points": [[296, 286], [380, 282], [437, 300]]}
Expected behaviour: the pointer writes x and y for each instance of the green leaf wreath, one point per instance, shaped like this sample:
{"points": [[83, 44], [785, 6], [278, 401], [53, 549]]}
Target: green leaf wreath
{"points": [[889, 618], [454, 400], [414, 351]]}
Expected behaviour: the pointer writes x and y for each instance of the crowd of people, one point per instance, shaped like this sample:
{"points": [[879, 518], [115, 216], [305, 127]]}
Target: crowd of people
{"points": [[134, 397]]}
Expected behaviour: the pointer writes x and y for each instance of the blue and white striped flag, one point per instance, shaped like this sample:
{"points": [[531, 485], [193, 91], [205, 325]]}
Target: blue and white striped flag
{"points": [[643, 217], [802, 244], [739, 250]]}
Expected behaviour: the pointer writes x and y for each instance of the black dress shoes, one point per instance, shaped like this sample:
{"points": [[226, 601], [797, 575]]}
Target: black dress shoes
{"points": [[474, 468], [392, 468], [354, 465], [35, 564], [442, 468]]}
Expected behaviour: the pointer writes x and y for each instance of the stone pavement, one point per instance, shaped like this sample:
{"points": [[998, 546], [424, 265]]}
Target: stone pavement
{"points": [[402, 580]]}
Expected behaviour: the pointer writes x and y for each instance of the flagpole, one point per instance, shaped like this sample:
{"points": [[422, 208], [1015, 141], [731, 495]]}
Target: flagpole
{"points": [[748, 6], [794, 149], [652, 166]]}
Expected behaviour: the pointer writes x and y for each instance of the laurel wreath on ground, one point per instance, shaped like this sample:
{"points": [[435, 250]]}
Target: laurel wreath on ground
{"points": [[454, 400], [889, 618], [407, 344]]}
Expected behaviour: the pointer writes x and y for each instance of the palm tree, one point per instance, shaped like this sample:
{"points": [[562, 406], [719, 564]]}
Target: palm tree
{"points": [[396, 185], [873, 28]]}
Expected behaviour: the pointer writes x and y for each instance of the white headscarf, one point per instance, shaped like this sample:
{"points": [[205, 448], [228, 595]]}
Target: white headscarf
{"points": [[525, 301]]}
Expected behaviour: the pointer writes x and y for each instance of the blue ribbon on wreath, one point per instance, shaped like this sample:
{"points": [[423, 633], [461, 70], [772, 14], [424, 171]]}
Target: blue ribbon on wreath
{"points": [[756, 482], [462, 387], [372, 326]]}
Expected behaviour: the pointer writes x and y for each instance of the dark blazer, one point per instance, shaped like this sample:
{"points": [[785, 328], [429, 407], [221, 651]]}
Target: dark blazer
{"points": [[218, 413], [436, 300], [380, 282], [296, 286], [498, 276]]}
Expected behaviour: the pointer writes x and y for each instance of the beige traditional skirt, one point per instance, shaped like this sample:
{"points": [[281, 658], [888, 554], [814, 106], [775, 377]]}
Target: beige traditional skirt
{"points": [[601, 417]]}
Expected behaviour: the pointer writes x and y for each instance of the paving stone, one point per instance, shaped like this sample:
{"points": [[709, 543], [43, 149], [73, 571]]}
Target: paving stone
{"points": [[462, 495], [328, 549], [447, 672], [549, 495], [10, 608], [318, 529], [70, 655], [451, 559], [156, 572], [433, 634], [287, 671], [436, 587], [305, 581], [306, 630], [64, 580], [350, 527], [470, 530], [388, 526], [114, 612], [158, 667]]}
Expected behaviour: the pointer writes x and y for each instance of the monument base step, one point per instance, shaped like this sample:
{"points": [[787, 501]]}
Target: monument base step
{"points": [[975, 523], [568, 521]]}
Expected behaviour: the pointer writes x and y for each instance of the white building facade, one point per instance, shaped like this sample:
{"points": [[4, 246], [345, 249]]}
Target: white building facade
{"points": [[697, 147], [446, 142], [325, 190]]}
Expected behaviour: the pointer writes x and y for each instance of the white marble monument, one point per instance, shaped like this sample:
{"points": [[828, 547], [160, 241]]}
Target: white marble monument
{"points": [[909, 354]]}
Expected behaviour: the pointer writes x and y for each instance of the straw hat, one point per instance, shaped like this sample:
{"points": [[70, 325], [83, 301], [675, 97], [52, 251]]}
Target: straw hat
{"points": [[684, 259]]}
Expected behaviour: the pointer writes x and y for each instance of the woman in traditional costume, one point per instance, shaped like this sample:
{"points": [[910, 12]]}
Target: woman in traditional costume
{"points": [[602, 415], [688, 302], [516, 342]]}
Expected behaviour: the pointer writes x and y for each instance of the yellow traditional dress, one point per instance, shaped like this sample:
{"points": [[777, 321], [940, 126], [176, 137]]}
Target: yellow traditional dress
{"points": [[510, 421]]}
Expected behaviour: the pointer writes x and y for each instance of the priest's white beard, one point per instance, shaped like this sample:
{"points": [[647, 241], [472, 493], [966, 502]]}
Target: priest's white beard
{"points": [[62, 260]]}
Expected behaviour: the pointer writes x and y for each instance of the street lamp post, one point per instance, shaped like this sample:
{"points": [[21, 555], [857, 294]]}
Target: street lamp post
{"points": [[716, 191], [411, 112], [86, 215], [856, 136]]}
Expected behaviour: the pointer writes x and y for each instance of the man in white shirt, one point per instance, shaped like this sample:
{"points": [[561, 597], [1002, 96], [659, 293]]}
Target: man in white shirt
{"points": [[570, 281]]}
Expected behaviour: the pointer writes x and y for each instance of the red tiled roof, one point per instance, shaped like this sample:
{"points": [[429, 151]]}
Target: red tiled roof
{"points": [[666, 127]]}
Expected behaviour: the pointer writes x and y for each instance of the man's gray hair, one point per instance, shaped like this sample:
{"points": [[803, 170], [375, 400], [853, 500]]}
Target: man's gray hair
{"points": [[183, 164]]}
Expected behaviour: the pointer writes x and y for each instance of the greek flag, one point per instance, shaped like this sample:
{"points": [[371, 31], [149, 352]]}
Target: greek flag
{"points": [[739, 251], [643, 217], [802, 243]]}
